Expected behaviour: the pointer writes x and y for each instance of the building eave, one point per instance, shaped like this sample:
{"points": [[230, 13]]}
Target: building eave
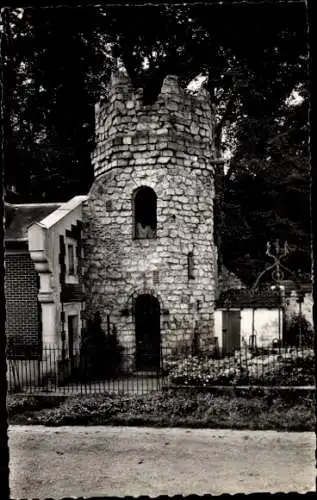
{"points": [[58, 214]]}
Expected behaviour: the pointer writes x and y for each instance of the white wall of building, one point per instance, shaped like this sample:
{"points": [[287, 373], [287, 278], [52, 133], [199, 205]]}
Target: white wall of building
{"points": [[218, 326], [44, 247], [266, 325]]}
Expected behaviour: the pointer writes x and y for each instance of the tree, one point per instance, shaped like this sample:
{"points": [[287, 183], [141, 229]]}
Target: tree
{"points": [[58, 64], [54, 66], [268, 186], [101, 353]]}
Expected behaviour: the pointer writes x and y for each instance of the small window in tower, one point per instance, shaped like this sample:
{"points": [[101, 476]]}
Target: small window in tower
{"points": [[109, 205], [71, 259], [190, 266], [144, 207]]}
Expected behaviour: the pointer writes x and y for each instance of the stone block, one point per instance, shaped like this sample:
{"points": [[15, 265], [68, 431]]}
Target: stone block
{"points": [[130, 104], [162, 131], [163, 159], [167, 152], [162, 145], [172, 105], [142, 126], [139, 161]]}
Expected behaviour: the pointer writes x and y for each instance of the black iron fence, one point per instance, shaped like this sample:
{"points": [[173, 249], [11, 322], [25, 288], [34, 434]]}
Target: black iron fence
{"points": [[91, 370], [87, 370]]}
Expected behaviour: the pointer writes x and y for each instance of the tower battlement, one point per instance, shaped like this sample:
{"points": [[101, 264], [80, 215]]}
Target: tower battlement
{"points": [[127, 130]]}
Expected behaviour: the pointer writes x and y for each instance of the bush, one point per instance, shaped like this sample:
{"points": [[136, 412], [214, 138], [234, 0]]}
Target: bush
{"points": [[299, 331], [184, 408], [290, 367], [101, 354], [18, 404]]}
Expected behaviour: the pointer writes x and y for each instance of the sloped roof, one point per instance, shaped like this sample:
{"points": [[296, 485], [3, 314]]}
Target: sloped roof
{"points": [[244, 298], [18, 218], [307, 287]]}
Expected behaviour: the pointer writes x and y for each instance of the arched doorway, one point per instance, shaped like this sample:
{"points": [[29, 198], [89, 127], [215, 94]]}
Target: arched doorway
{"points": [[147, 332]]}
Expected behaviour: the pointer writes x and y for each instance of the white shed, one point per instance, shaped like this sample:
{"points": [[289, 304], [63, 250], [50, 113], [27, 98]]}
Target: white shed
{"points": [[247, 316]]}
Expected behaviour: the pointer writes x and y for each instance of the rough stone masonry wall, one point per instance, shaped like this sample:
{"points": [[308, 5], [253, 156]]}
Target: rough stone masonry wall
{"points": [[166, 146]]}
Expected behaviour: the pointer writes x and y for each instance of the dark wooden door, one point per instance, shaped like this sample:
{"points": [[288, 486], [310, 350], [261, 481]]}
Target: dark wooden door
{"points": [[230, 331], [147, 333]]}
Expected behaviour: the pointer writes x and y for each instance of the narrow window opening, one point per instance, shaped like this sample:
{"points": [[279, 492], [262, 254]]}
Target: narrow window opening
{"points": [[109, 205], [145, 213], [190, 265], [71, 260]]}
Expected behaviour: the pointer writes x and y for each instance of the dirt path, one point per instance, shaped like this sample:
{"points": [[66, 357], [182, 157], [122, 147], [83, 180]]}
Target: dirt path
{"points": [[87, 461]]}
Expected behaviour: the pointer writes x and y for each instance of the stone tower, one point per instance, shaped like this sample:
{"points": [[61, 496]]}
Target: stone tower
{"points": [[150, 258]]}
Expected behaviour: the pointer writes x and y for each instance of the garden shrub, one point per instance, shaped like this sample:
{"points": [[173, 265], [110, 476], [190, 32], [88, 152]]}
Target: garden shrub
{"points": [[101, 353], [19, 404], [185, 407], [299, 331], [287, 367]]}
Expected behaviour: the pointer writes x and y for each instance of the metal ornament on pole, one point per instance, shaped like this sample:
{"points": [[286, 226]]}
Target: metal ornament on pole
{"points": [[277, 266], [277, 254]]}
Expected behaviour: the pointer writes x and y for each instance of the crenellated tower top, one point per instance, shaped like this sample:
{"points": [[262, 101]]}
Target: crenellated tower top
{"points": [[177, 121]]}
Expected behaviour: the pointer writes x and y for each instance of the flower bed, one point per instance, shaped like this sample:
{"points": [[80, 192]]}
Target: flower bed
{"points": [[279, 367]]}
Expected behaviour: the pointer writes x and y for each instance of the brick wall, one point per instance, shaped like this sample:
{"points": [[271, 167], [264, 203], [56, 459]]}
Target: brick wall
{"points": [[21, 290]]}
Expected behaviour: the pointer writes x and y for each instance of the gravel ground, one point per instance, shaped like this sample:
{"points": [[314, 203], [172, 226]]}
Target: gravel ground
{"points": [[89, 461]]}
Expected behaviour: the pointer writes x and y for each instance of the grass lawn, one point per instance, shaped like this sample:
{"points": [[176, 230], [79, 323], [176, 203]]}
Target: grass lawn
{"points": [[274, 410]]}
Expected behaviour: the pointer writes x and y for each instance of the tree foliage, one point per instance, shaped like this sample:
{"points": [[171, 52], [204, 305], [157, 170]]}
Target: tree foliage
{"points": [[266, 191]]}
